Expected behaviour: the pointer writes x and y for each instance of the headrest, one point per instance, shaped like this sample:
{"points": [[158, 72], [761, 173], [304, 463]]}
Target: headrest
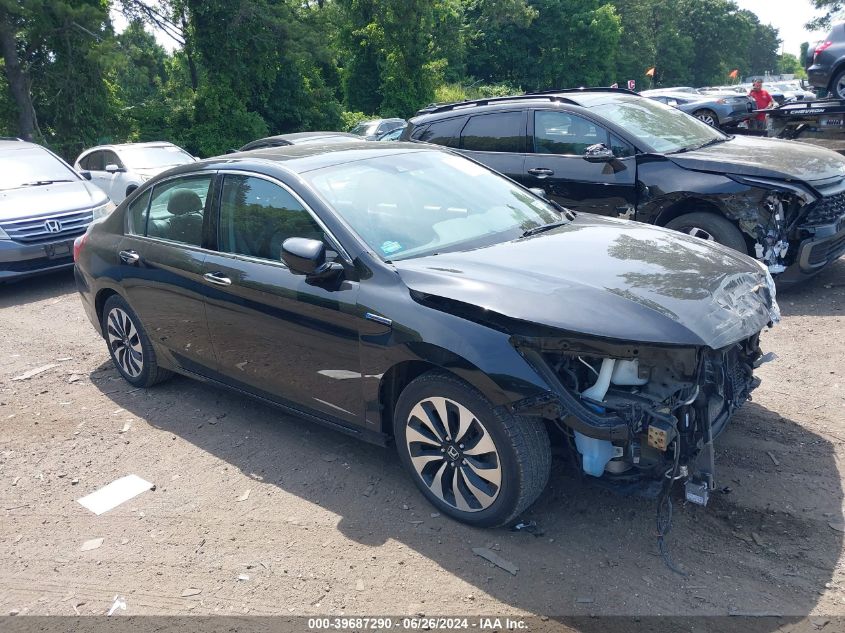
{"points": [[184, 201]]}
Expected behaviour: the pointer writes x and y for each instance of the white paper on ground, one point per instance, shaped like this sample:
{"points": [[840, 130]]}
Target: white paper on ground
{"points": [[115, 493]]}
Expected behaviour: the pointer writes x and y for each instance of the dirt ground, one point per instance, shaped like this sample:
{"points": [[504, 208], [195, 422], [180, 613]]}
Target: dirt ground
{"points": [[333, 526]]}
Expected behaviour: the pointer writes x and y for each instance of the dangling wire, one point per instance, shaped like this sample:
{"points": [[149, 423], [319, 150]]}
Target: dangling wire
{"points": [[664, 524]]}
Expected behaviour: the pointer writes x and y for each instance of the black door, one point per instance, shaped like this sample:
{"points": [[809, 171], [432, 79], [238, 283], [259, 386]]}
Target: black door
{"points": [[498, 141], [161, 264], [557, 164], [274, 333]]}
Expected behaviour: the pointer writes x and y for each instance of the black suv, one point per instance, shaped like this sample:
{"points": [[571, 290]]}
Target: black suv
{"points": [[827, 62], [613, 152]]}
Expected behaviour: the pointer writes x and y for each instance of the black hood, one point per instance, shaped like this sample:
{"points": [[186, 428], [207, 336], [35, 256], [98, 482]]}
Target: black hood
{"points": [[765, 158], [608, 278]]}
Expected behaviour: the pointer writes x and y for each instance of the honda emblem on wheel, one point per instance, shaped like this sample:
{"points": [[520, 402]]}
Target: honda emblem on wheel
{"points": [[53, 226]]}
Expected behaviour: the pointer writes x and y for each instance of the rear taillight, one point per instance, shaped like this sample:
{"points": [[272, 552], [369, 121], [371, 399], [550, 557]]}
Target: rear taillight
{"points": [[78, 243], [821, 48]]}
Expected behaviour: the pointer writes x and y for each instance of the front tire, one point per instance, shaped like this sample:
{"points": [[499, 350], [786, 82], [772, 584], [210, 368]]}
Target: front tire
{"points": [[129, 346], [478, 464], [710, 227], [707, 116]]}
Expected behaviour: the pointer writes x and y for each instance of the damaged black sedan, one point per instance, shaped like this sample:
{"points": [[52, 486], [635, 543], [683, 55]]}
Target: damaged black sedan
{"points": [[404, 293]]}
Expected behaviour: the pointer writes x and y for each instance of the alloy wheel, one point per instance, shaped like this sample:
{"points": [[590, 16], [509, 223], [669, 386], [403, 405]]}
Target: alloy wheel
{"points": [[454, 454], [706, 118], [840, 88], [125, 343]]}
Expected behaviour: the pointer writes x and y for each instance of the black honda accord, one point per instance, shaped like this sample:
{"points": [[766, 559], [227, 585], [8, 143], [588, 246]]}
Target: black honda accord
{"points": [[403, 292]]}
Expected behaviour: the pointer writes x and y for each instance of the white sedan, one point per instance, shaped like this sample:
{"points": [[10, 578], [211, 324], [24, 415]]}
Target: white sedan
{"points": [[120, 169]]}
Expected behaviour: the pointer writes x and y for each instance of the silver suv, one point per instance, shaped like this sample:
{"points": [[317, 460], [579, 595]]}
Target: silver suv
{"points": [[44, 205]]}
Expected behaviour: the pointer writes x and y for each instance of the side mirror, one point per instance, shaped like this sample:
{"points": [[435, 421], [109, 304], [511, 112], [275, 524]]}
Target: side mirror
{"points": [[539, 192], [308, 257], [85, 174], [598, 153], [112, 168]]}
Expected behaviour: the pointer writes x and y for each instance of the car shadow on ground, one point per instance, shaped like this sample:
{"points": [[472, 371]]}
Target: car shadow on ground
{"points": [[37, 288], [762, 546]]}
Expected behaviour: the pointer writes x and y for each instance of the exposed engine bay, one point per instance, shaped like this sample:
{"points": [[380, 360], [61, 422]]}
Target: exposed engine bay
{"points": [[646, 412]]}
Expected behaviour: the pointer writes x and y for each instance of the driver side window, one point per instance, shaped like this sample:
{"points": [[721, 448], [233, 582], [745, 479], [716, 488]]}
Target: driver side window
{"points": [[565, 134], [257, 216]]}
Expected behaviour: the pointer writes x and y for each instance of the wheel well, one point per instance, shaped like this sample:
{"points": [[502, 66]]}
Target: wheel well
{"points": [[836, 70], [690, 205], [392, 383], [100, 302]]}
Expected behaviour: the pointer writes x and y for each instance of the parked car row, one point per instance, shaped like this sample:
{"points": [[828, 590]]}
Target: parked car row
{"points": [[483, 289]]}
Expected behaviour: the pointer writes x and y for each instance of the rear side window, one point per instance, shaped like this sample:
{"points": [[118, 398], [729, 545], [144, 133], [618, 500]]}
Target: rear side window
{"points": [[137, 213], [177, 209], [445, 132], [498, 132], [257, 216]]}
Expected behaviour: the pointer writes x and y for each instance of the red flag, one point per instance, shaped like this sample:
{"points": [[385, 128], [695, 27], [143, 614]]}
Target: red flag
{"points": [[650, 72]]}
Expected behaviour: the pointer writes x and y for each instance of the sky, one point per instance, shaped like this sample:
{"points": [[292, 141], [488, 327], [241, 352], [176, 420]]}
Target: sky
{"points": [[788, 16]]}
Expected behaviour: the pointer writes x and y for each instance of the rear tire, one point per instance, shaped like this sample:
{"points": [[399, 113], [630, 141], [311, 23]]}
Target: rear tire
{"points": [[711, 227], [707, 116], [129, 346], [837, 85], [480, 465]]}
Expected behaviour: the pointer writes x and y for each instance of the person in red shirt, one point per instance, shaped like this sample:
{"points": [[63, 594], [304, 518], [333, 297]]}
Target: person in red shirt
{"points": [[763, 101]]}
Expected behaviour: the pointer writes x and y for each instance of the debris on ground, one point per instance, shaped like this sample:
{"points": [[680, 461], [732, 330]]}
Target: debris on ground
{"points": [[528, 526], [34, 372], [497, 560], [126, 427], [244, 496], [191, 591], [115, 493], [773, 458], [119, 603], [93, 543], [243, 577], [359, 585]]}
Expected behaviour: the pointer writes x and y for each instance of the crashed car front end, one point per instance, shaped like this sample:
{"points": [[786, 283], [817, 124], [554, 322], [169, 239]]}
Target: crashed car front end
{"points": [[647, 411], [795, 231]]}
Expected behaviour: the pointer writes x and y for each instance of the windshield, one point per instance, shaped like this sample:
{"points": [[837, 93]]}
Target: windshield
{"points": [[148, 157], [422, 203], [662, 127], [32, 166]]}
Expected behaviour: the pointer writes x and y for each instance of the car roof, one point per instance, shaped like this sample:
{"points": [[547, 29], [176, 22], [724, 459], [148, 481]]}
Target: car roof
{"points": [[9, 144], [304, 158], [584, 97], [120, 145]]}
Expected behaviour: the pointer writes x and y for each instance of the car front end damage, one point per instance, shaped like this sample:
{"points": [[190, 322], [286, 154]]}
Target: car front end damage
{"points": [[643, 412], [795, 233]]}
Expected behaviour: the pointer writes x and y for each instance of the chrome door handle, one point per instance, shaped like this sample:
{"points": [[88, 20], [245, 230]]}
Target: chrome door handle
{"points": [[541, 172], [129, 257], [218, 279]]}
